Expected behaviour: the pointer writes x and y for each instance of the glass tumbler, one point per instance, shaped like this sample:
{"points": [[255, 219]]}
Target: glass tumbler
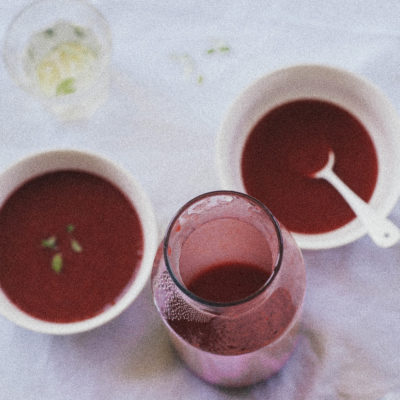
{"points": [[229, 283], [59, 51]]}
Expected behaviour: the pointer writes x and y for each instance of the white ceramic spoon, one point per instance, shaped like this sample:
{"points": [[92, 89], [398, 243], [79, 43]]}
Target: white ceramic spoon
{"points": [[382, 231]]}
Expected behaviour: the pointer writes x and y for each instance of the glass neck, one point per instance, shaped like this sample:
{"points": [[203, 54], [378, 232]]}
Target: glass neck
{"points": [[218, 229]]}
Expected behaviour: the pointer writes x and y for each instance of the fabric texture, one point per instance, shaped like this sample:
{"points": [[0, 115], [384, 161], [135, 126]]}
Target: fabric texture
{"points": [[168, 98]]}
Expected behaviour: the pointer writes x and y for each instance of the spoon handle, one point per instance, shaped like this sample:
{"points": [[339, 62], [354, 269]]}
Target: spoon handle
{"points": [[382, 231]]}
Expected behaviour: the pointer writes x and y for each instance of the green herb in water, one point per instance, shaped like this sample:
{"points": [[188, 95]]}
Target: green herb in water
{"points": [[79, 31], [67, 86], [49, 32]]}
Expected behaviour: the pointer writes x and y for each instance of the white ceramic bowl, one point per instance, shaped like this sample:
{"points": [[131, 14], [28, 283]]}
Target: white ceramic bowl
{"points": [[361, 98], [49, 161]]}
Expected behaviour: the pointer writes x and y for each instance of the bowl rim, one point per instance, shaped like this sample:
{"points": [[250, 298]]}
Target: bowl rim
{"points": [[147, 218], [332, 239]]}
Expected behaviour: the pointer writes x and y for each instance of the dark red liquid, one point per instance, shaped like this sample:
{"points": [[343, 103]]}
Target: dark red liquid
{"points": [[228, 282], [238, 334], [292, 141], [106, 226]]}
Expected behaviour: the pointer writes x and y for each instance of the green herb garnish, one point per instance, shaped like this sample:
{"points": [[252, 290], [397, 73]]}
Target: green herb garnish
{"points": [[67, 86], [57, 263], [57, 259], [221, 49], [50, 242], [70, 228], [76, 247], [200, 79]]}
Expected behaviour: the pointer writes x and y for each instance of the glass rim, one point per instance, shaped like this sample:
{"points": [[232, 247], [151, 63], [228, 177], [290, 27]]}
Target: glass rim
{"points": [[104, 62], [253, 295]]}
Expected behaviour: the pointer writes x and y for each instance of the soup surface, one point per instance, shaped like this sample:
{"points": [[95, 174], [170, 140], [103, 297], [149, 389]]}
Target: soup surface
{"points": [[70, 244], [291, 142]]}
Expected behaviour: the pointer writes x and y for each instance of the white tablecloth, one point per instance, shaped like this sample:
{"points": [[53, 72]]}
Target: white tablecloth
{"points": [[160, 123]]}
